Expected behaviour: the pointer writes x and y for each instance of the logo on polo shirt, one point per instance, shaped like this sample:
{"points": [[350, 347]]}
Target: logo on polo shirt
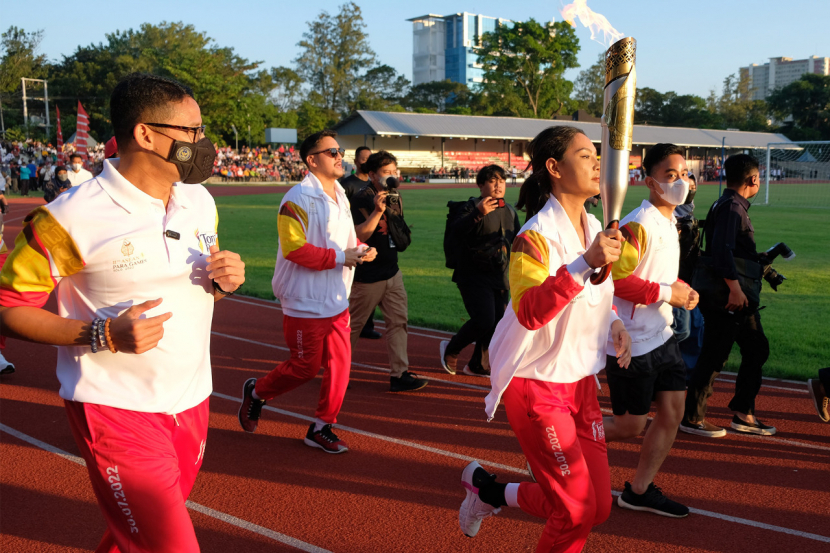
{"points": [[129, 261], [599, 431]]}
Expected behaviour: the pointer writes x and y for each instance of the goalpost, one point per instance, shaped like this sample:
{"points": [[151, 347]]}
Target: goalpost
{"points": [[796, 174]]}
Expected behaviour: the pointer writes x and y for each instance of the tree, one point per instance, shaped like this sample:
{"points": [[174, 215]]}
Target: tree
{"points": [[439, 96], [524, 63], [222, 82], [674, 110], [736, 108], [333, 53], [381, 88], [807, 101], [286, 89], [18, 58], [589, 88]]}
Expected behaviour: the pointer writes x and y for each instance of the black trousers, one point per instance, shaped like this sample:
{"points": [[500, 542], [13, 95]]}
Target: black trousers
{"points": [[720, 332], [486, 308], [824, 378]]}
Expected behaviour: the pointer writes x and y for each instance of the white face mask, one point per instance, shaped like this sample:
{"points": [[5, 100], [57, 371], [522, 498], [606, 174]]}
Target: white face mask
{"points": [[673, 192], [77, 167]]}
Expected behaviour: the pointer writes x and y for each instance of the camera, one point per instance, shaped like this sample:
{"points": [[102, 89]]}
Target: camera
{"points": [[390, 185], [500, 202], [773, 277]]}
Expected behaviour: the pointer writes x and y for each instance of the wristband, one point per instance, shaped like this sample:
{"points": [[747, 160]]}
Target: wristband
{"points": [[102, 344], [218, 289]]}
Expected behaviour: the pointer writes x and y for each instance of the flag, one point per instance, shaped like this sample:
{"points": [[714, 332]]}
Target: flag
{"points": [[82, 132], [60, 138]]}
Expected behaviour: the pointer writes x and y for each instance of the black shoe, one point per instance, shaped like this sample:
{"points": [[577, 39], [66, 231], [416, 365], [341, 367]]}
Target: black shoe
{"points": [[325, 439], [407, 382], [652, 501], [476, 371], [702, 428], [756, 427], [370, 334], [251, 408]]}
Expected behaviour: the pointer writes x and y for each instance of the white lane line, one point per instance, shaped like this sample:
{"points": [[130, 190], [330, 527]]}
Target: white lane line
{"points": [[378, 322], [224, 517], [361, 365], [508, 468], [487, 389], [397, 441]]}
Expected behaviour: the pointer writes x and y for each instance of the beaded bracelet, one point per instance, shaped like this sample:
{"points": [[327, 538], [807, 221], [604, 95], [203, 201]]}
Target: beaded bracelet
{"points": [[110, 343], [93, 335], [102, 344]]}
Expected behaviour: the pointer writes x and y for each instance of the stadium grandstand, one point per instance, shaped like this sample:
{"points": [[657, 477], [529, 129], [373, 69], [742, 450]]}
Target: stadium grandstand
{"points": [[423, 143]]}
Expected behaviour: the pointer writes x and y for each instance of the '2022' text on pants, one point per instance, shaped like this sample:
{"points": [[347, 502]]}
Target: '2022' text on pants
{"points": [[313, 343], [559, 427], [142, 467]]}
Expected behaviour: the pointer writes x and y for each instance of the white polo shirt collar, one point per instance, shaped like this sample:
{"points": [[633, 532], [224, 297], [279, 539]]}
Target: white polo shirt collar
{"points": [[130, 197]]}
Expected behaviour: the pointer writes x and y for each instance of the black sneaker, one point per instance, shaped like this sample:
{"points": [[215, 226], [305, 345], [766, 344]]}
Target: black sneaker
{"points": [[407, 382], [756, 427], [702, 428], [475, 371], [251, 408], [370, 334], [325, 439], [653, 501]]}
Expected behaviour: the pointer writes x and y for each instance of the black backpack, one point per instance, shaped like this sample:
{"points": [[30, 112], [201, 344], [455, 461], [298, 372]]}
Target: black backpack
{"points": [[451, 246]]}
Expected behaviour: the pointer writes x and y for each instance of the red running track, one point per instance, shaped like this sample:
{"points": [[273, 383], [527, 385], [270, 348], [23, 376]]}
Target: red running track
{"points": [[398, 488]]}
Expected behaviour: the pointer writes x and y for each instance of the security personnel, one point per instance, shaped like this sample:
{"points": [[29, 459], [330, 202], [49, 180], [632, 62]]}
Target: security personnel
{"points": [[727, 273]]}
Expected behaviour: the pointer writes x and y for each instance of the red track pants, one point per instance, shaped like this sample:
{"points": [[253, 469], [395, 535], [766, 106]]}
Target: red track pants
{"points": [[142, 467], [559, 427], [313, 342]]}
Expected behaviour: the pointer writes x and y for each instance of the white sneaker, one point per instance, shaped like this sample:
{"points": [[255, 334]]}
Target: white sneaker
{"points": [[5, 366], [473, 509]]}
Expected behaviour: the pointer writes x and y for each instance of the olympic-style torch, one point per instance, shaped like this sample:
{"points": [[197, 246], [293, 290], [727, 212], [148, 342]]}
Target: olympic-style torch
{"points": [[617, 131]]}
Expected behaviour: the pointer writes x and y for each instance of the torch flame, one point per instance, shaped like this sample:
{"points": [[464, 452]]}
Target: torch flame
{"points": [[596, 22]]}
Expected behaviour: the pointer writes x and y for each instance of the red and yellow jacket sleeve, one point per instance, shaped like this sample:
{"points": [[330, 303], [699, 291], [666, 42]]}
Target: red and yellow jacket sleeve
{"points": [[537, 296], [43, 254], [626, 285], [292, 223]]}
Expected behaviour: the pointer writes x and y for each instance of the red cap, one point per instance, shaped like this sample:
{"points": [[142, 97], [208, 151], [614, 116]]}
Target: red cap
{"points": [[110, 148]]}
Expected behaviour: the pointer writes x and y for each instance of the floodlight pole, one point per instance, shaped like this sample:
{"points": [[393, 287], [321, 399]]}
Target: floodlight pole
{"points": [[236, 136], [25, 108], [722, 162], [769, 168]]}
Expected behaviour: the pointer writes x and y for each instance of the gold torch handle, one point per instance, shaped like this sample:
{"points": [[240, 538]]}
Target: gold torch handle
{"points": [[605, 270]]}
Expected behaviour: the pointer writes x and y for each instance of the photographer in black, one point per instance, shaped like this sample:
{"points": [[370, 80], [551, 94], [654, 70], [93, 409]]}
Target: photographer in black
{"points": [[377, 211], [728, 278], [480, 234]]}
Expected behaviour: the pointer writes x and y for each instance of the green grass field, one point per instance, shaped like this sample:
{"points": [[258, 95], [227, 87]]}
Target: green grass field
{"points": [[795, 318]]}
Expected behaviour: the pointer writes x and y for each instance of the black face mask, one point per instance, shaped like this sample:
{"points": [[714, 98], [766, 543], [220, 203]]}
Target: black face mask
{"points": [[690, 197], [194, 160]]}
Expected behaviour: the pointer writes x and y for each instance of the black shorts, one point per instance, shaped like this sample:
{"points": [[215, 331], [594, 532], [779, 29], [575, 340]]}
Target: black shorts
{"points": [[633, 389]]}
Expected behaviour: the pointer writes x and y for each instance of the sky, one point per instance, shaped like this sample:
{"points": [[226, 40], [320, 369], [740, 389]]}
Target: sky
{"points": [[685, 46]]}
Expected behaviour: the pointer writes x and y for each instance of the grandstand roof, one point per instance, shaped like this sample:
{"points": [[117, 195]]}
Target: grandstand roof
{"points": [[384, 123]]}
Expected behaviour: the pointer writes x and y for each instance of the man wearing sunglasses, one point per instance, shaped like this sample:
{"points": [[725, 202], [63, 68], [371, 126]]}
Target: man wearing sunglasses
{"points": [[318, 249], [132, 256]]}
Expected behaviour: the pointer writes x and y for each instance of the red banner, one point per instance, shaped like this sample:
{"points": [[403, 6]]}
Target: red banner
{"points": [[82, 132], [60, 138]]}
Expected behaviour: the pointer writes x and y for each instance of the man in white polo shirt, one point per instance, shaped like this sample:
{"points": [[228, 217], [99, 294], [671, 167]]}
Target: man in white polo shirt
{"points": [[646, 288], [135, 286], [77, 174]]}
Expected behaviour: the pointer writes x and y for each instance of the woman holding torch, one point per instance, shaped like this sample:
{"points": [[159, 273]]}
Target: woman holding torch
{"points": [[548, 347]]}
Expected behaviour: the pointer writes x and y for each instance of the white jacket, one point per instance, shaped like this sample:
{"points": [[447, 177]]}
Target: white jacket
{"points": [[557, 323], [310, 279]]}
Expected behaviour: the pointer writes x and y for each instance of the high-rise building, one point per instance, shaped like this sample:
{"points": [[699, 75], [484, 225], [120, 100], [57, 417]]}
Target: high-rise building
{"points": [[780, 72], [443, 46]]}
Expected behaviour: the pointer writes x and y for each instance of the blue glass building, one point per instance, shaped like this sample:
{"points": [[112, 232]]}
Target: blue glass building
{"points": [[443, 46]]}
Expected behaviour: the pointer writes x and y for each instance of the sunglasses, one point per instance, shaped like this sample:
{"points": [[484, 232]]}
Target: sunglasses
{"points": [[197, 131], [330, 151]]}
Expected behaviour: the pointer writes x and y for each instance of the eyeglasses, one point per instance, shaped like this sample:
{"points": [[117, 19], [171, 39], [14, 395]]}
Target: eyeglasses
{"points": [[197, 131], [330, 151]]}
